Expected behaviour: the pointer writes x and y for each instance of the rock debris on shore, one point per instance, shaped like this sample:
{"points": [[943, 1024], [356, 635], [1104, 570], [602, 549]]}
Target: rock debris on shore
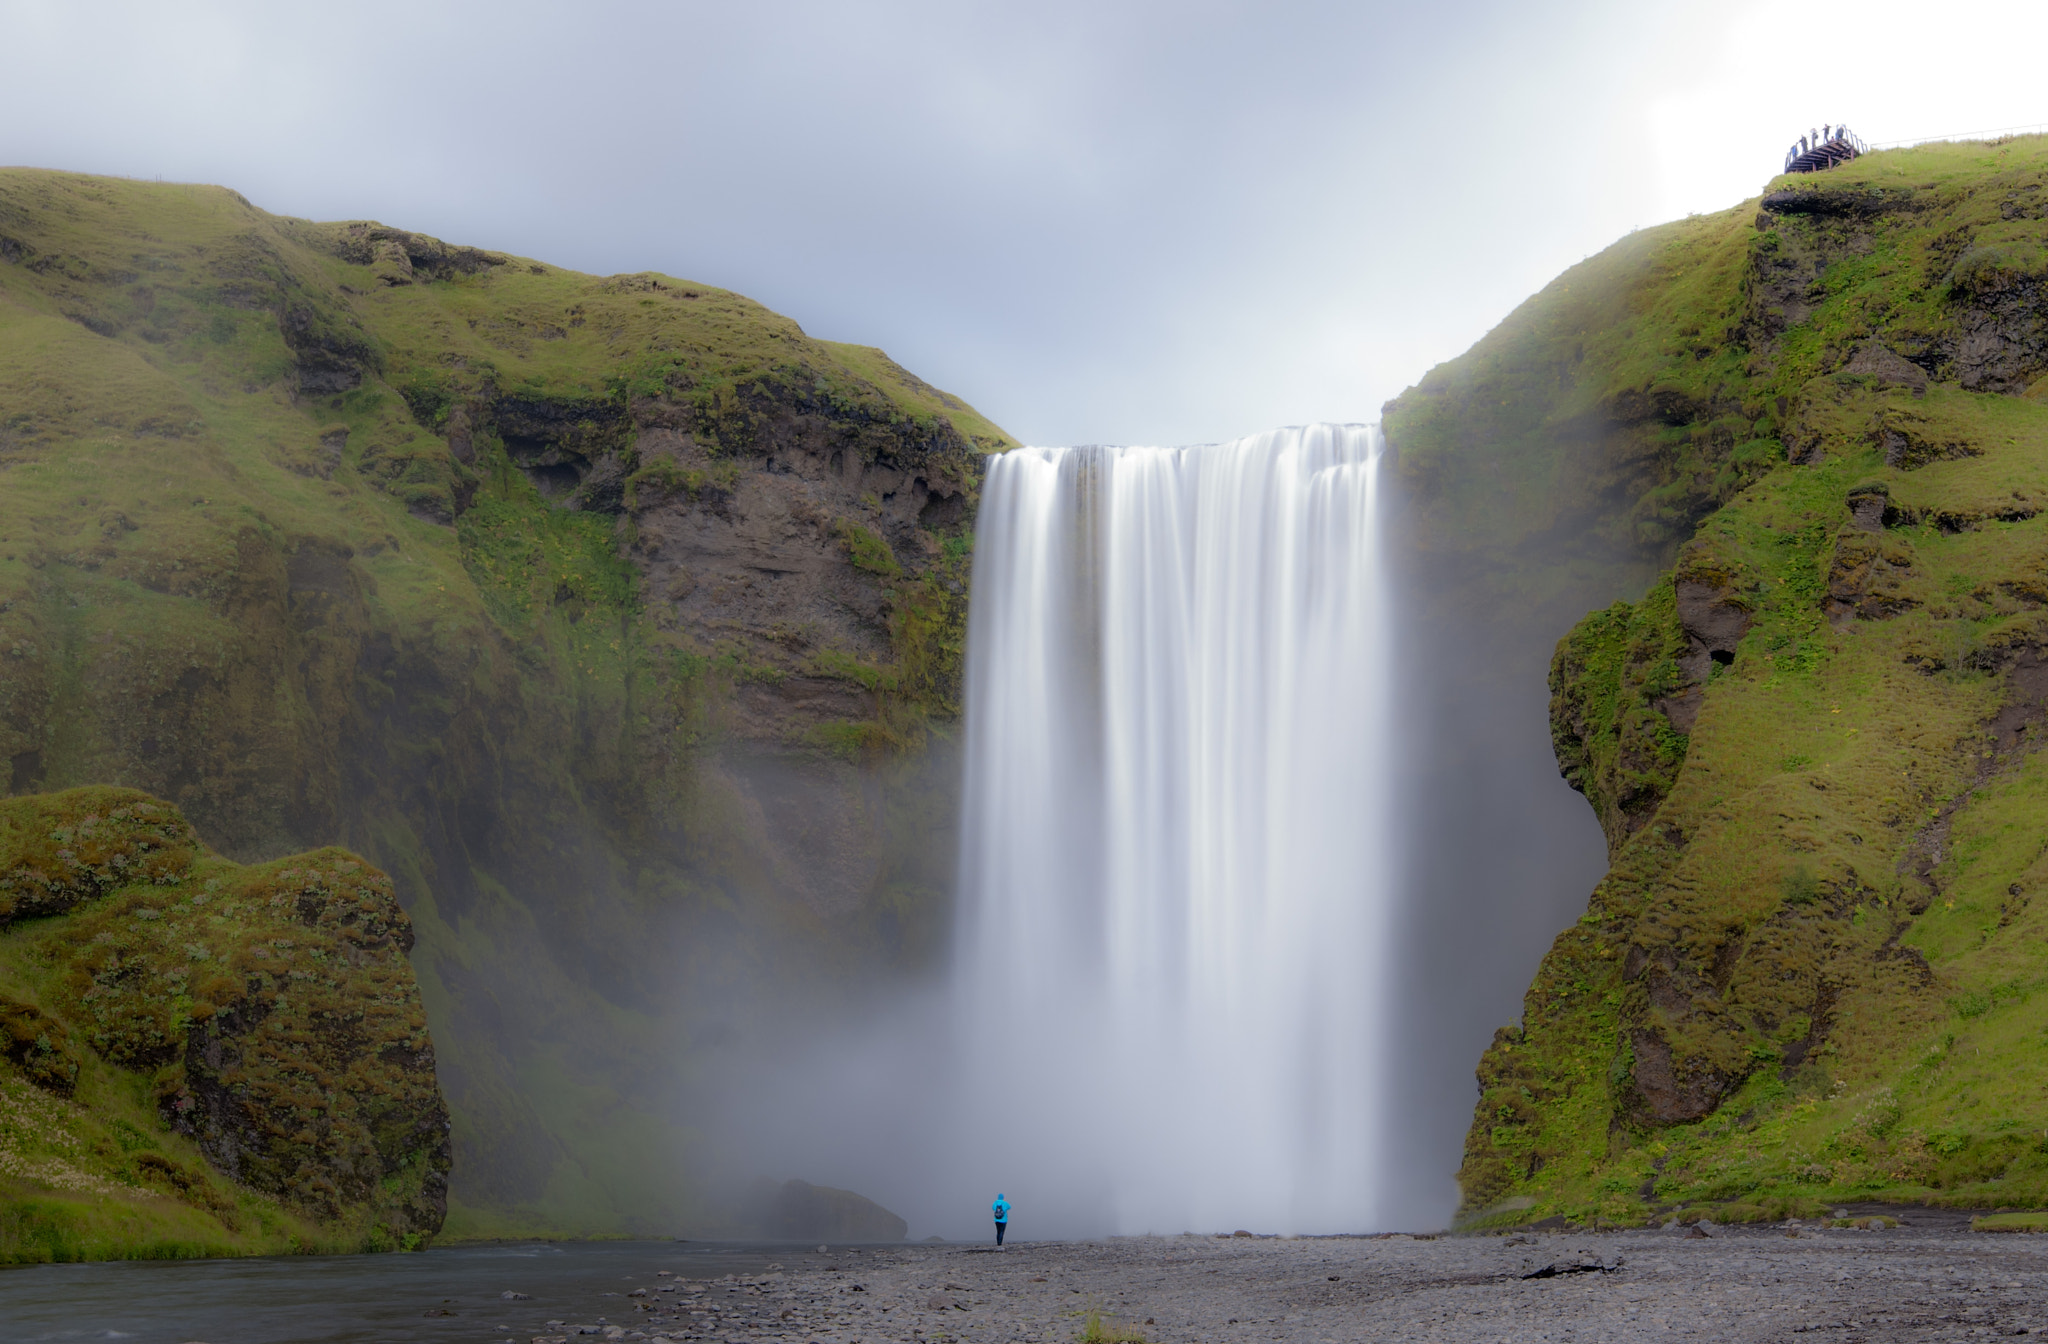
{"points": [[1937, 1282]]}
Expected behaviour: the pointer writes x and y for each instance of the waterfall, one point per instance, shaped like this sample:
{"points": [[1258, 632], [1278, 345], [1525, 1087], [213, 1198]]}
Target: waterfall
{"points": [[1176, 881]]}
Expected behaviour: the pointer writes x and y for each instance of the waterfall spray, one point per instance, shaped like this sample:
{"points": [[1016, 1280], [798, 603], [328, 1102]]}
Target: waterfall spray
{"points": [[1176, 880]]}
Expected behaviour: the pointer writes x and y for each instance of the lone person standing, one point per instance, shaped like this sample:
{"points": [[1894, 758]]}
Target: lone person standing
{"points": [[1002, 1210]]}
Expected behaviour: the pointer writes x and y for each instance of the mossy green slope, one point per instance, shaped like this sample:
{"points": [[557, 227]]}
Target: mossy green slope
{"points": [[338, 533], [1810, 974], [209, 1058]]}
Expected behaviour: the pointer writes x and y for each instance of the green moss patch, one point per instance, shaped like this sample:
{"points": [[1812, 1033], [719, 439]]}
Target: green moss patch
{"points": [[2010, 1222]]}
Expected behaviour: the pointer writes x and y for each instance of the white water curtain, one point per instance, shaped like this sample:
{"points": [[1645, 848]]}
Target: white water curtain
{"points": [[1176, 873]]}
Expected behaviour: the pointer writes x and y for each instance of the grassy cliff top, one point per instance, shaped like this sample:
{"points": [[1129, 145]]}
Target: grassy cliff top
{"points": [[1614, 409], [176, 275]]}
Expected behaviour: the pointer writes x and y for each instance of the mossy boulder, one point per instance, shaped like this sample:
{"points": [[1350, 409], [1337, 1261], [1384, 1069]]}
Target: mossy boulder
{"points": [[244, 1041]]}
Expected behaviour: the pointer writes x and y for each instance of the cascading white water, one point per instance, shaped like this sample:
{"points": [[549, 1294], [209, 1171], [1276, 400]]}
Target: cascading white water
{"points": [[1176, 878]]}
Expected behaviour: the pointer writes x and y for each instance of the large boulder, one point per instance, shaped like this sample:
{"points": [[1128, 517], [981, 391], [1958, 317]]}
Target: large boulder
{"points": [[800, 1211], [264, 1016]]}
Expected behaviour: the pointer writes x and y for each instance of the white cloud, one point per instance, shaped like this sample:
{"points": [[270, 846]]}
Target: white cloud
{"points": [[1137, 221]]}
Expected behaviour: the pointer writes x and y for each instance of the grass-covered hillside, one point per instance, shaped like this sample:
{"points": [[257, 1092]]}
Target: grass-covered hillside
{"points": [[611, 615], [205, 1057], [1815, 970]]}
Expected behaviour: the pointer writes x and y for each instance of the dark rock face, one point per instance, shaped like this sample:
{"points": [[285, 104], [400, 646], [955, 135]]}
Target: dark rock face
{"points": [[1867, 504], [2002, 324], [331, 356], [769, 549], [402, 258], [1714, 621], [1879, 363], [1839, 204], [1665, 1096]]}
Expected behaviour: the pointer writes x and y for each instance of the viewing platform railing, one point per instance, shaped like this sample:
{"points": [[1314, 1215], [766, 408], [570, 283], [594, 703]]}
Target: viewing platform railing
{"points": [[1841, 145], [1993, 133]]}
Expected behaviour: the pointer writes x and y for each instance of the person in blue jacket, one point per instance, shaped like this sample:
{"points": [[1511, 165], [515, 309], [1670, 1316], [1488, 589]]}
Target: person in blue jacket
{"points": [[1002, 1208]]}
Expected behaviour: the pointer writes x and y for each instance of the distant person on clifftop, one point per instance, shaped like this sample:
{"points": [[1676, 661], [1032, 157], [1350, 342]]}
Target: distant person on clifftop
{"points": [[1002, 1209]]}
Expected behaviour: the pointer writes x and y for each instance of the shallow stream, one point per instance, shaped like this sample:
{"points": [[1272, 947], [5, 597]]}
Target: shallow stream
{"points": [[442, 1296]]}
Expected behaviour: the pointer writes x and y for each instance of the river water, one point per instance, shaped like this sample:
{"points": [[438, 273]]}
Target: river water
{"points": [[441, 1296]]}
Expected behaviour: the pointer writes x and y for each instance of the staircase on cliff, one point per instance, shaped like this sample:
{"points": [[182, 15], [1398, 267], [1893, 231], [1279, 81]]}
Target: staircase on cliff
{"points": [[1816, 153]]}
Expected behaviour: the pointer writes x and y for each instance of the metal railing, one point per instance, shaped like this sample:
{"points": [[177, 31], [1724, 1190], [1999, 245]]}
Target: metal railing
{"points": [[1817, 150], [2035, 129]]}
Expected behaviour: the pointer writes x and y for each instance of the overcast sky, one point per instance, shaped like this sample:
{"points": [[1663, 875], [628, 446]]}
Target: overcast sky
{"points": [[1100, 222]]}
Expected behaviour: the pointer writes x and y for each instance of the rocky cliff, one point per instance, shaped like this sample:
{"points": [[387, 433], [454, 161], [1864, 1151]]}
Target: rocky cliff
{"points": [[1821, 418], [208, 1057], [614, 617]]}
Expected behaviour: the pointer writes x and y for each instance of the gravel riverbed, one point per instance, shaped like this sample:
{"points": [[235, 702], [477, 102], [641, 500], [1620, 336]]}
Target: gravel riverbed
{"points": [[1931, 1279]]}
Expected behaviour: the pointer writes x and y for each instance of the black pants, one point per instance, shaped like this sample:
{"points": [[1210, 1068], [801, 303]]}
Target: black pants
{"points": [[1000, 1229]]}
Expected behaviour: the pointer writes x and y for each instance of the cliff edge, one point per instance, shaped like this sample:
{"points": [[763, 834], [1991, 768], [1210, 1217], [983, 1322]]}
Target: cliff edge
{"points": [[615, 618], [1812, 743]]}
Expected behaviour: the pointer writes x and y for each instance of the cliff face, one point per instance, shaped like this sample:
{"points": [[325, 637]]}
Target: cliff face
{"points": [[1812, 742], [617, 619], [209, 1057]]}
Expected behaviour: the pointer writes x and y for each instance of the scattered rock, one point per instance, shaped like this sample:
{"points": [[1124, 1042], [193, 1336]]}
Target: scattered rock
{"points": [[1672, 1091], [1576, 1265], [1910, 440], [1879, 363], [1867, 505], [1714, 619]]}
